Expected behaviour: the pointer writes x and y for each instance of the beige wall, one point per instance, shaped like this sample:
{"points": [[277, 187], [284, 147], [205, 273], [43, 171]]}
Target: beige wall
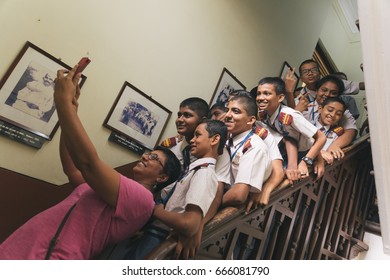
{"points": [[345, 49], [170, 49]]}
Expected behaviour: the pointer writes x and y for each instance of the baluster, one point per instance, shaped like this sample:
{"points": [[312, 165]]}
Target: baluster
{"points": [[298, 230], [358, 191], [349, 209], [335, 215], [317, 227], [274, 236]]}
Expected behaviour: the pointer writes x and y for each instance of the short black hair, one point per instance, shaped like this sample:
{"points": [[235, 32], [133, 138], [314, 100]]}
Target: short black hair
{"points": [[277, 82], [218, 105], [340, 75], [172, 168], [249, 103], [239, 92], [334, 79], [214, 127], [333, 99], [198, 105], [307, 61]]}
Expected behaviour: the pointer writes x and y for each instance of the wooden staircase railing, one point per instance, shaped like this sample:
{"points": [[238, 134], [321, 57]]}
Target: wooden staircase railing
{"points": [[322, 219]]}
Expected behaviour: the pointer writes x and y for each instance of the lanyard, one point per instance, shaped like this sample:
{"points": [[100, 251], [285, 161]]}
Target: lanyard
{"points": [[311, 114], [240, 145], [327, 131], [282, 130]]}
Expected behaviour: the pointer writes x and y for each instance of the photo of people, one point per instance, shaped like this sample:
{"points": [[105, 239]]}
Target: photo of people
{"points": [[33, 94], [139, 118]]}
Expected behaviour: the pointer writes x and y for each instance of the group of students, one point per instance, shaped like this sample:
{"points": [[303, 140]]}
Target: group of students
{"points": [[222, 156]]}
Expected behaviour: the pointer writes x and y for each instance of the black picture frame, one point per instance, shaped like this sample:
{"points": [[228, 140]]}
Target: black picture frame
{"points": [[283, 73], [227, 82], [137, 116], [26, 91]]}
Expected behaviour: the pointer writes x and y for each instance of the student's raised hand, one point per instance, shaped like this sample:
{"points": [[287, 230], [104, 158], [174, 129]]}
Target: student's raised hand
{"points": [[290, 80], [303, 103]]}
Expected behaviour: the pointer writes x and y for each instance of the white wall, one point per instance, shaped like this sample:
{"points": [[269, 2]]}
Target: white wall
{"points": [[345, 49], [374, 21], [170, 49]]}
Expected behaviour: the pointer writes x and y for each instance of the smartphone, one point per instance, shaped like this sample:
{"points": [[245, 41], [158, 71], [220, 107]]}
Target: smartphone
{"points": [[84, 61]]}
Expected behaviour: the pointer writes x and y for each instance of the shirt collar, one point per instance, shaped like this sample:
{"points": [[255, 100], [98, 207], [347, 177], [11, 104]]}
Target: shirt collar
{"points": [[275, 114], [238, 138], [201, 161]]}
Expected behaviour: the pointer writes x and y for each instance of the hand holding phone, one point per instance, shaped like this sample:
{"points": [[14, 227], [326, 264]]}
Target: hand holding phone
{"points": [[84, 61]]}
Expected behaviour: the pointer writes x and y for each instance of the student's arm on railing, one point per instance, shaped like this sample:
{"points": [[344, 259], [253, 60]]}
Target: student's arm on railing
{"points": [[186, 223], [236, 195], [336, 147], [262, 198]]}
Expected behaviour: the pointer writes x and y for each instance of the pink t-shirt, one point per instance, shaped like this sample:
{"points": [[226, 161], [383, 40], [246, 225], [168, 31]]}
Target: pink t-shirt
{"points": [[91, 226]]}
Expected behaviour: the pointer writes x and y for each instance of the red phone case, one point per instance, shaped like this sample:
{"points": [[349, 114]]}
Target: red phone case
{"points": [[84, 61]]}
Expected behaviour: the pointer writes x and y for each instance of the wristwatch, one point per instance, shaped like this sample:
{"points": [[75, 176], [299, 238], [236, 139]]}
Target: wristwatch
{"points": [[309, 161]]}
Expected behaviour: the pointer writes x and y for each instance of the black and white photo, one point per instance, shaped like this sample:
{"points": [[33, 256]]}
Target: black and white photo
{"points": [[137, 116], [26, 91]]}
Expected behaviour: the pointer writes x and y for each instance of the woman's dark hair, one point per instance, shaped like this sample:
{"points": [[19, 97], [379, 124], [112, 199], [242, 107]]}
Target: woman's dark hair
{"points": [[172, 168], [331, 78], [214, 127]]}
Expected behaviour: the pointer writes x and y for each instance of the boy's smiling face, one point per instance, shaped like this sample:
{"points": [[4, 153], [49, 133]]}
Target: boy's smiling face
{"points": [[186, 122], [331, 113], [201, 142], [267, 99], [237, 119]]}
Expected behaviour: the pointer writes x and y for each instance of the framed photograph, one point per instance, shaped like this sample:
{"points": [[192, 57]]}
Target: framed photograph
{"points": [[26, 91], [226, 84], [137, 116], [283, 73]]}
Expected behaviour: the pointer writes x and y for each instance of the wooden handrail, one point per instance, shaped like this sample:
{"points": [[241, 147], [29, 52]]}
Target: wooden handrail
{"points": [[322, 219]]}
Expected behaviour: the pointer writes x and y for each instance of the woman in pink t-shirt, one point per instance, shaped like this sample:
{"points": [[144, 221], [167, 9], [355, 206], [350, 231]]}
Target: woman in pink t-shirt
{"points": [[104, 208]]}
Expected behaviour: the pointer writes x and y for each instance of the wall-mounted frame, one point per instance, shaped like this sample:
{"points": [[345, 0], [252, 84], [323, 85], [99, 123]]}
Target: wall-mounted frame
{"points": [[137, 116], [26, 91], [283, 73], [226, 84]]}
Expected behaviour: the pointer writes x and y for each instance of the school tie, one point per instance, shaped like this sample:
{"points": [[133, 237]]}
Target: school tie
{"points": [[229, 146]]}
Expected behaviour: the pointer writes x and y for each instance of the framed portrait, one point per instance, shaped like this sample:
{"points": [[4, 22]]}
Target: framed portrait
{"points": [[137, 116], [226, 84], [283, 73], [26, 91]]}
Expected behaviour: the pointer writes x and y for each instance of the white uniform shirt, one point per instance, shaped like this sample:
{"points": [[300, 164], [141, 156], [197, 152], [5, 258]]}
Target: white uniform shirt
{"points": [[222, 167], [301, 130], [271, 142], [331, 136], [351, 87], [311, 96], [197, 187], [253, 167]]}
